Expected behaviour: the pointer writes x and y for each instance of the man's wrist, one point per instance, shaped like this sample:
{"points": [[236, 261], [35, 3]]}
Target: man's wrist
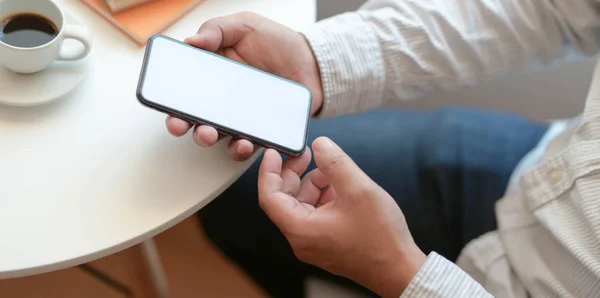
{"points": [[317, 102], [318, 94], [350, 60], [400, 273]]}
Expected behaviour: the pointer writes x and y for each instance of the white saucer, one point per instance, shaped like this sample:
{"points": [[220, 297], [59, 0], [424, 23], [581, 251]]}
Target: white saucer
{"points": [[48, 85]]}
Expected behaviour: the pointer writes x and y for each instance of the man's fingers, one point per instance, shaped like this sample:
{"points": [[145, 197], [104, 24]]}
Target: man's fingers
{"points": [[298, 165], [284, 210], [223, 32], [339, 168], [269, 173], [293, 168], [328, 195], [311, 187], [177, 127], [206, 136], [241, 150]]}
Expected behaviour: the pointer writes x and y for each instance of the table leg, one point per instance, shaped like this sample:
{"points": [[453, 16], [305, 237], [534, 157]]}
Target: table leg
{"points": [[157, 274], [106, 279]]}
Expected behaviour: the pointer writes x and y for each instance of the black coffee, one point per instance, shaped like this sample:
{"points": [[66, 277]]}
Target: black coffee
{"points": [[27, 30]]}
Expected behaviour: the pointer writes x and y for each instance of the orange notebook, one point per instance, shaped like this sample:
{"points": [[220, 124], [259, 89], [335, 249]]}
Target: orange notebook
{"points": [[144, 20]]}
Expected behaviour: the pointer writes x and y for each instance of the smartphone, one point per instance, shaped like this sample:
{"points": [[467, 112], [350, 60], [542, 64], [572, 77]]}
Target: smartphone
{"points": [[238, 100]]}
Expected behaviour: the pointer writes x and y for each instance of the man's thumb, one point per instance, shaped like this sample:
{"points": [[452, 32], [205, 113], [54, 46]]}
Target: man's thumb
{"points": [[208, 38], [338, 167]]}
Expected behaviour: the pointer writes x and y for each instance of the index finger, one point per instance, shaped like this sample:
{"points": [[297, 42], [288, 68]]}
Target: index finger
{"points": [[281, 208]]}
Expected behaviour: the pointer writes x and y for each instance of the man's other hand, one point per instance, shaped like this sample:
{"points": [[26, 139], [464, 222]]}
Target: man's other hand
{"points": [[337, 218]]}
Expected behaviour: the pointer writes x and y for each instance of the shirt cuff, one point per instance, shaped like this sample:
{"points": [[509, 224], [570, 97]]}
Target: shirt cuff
{"points": [[351, 64], [439, 277]]}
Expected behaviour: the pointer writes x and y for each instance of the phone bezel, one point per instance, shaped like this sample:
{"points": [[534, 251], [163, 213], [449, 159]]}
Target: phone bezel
{"points": [[220, 128]]}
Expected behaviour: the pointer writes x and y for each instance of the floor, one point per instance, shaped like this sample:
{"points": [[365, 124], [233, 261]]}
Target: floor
{"points": [[193, 266]]}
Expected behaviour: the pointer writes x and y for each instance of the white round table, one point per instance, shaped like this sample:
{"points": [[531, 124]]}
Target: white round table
{"points": [[95, 172]]}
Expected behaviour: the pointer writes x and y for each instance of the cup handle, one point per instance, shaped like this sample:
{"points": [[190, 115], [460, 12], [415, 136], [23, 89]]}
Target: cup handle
{"points": [[80, 34]]}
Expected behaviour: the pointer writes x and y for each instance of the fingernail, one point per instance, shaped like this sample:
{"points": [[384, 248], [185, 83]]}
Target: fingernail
{"points": [[192, 39], [325, 143], [198, 141], [233, 152]]}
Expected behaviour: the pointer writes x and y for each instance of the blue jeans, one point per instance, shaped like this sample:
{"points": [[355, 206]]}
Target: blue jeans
{"points": [[445, 169]]}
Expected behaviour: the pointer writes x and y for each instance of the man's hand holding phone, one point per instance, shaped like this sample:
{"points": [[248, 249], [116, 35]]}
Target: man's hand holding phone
{"points": [[334, 217], [259, 42]]}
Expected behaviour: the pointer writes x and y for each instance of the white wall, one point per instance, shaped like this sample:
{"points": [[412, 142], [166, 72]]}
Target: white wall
{"points": [[554, 92]]}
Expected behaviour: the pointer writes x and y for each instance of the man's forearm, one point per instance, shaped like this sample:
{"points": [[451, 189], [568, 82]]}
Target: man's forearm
{"points": [[400, 49]]}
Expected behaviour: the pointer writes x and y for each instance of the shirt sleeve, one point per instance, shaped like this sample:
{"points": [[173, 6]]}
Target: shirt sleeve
{"points": [[395, 50], [439, 277]]}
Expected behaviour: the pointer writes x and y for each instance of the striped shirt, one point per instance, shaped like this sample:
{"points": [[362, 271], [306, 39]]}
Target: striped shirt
{"points": [[548, 239]]}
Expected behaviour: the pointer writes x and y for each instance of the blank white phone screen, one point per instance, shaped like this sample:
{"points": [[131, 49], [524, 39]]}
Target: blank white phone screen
{"points": [[234, 96]]}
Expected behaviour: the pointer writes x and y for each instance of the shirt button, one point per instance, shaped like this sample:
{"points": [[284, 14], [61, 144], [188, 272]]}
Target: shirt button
{"points": [[555, 176]]}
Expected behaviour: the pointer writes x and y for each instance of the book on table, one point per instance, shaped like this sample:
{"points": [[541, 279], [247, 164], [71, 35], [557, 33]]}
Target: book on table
{"points": [[119, 5], [140, 19]]}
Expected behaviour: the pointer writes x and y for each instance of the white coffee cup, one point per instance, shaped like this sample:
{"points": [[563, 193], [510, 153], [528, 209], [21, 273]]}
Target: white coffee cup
{"points": [[34, 59]]}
